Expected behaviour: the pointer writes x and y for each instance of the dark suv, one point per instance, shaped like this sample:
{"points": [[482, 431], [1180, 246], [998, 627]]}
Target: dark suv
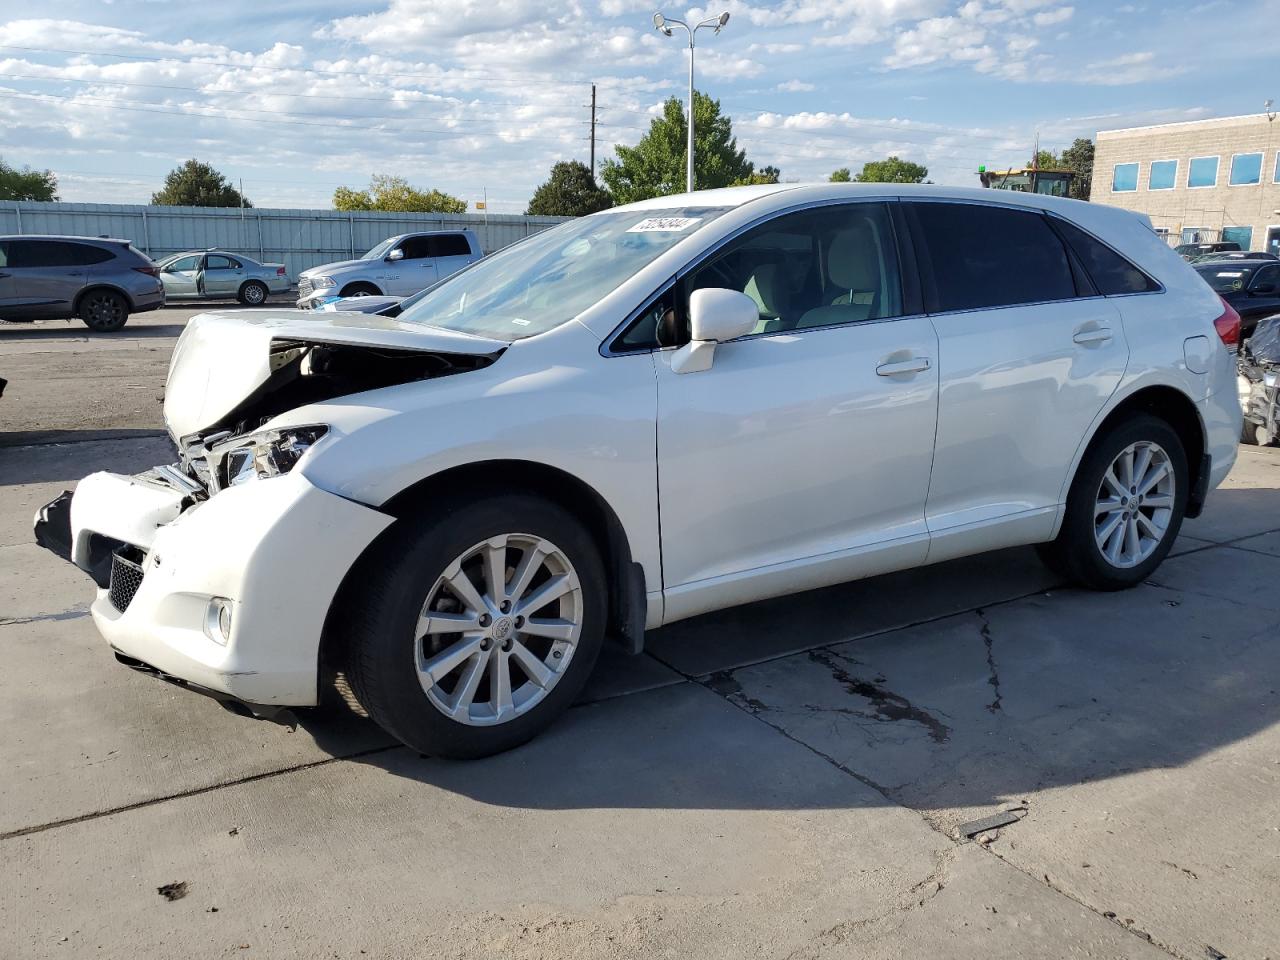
{"points": [[101, 281]]}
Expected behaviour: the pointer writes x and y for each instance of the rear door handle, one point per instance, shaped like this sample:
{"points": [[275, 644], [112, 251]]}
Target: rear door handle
{"points": [[1096, 335], [900, 367]]}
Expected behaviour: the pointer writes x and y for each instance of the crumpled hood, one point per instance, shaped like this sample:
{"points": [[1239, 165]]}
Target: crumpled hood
{"points": [[223, 358], [327, 268]]}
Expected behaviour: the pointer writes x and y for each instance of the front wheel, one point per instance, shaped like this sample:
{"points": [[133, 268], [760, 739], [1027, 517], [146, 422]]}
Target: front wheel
{"points": [[479, 625], [1125, 506], [103, 311]]}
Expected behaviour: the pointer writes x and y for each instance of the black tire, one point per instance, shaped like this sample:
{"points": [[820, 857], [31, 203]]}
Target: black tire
{"points": [[399, 574], [1249, 433], [1075, 553], [360, 290], [253, 293], [103, 311]]}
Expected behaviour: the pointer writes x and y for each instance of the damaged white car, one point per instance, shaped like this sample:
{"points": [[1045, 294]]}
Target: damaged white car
{"points": [[646, 414]]}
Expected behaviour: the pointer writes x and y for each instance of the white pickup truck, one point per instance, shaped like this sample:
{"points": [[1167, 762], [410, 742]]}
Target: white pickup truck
{"points": [[398, 266]]}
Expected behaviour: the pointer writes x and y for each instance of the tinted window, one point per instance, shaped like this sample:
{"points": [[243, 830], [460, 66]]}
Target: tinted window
{"points": [[1225, 277], [415, 248], [1111, 273], [817, 268], [54, 253], [1266, 275], [4, 253], [215, 262], [448, 245], [990, 257]]}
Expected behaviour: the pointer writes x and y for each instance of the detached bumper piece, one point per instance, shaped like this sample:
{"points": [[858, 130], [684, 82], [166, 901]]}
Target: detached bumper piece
{"points": [[260, 711], [53, 526], [126, 576]]}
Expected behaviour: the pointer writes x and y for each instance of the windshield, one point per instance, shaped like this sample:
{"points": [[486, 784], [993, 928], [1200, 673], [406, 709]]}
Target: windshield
{"points": [[539, 283], [380, 250], [1225, 277]]}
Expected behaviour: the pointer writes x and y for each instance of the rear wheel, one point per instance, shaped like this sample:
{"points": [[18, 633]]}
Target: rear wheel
{"points": [[1125, 506], [479, 625], [103, 311], [253, 293]]}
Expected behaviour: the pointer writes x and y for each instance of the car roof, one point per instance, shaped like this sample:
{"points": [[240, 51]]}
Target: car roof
{"points": [[64, 236]]}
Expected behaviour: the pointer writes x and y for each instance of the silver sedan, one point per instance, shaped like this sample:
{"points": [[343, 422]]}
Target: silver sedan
{"points": [[219, 275]]}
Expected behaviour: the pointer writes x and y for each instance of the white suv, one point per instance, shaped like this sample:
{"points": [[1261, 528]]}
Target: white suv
{"points": [[646, 414]]}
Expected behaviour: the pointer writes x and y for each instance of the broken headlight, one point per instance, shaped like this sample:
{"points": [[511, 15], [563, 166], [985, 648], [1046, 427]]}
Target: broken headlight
{"points": [[257, 456]]}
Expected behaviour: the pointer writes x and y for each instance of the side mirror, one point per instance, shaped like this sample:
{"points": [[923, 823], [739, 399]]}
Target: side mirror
{"points": [[396, 254], [716, 315]]}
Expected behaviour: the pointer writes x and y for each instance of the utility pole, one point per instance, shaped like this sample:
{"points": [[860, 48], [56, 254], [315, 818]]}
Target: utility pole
{"points": [[593, 131]]}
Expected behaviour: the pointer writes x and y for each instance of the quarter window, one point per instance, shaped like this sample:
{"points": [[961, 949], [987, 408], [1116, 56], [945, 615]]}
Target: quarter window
{"points": [[1164, 175], [1124, 178], [1246, 169], [821, 267], [985, 256], [1111, 273], [1202, 172]]}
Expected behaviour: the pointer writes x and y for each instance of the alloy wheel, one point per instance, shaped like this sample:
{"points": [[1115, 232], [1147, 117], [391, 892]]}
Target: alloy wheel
{"points": [[499, 629], [103, 310], [253, 294], [1134, 504]]}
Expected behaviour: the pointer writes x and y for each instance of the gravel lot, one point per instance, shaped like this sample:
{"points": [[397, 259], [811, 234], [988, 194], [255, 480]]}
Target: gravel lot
{"points": [[783, 780]]}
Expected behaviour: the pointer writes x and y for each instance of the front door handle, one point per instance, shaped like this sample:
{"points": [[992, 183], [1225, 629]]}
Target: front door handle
{"points": [[3, 275], [901, 367], [1096, 335]]}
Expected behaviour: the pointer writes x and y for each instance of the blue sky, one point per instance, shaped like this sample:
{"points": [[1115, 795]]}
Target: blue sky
{"points": [[298, 96]]}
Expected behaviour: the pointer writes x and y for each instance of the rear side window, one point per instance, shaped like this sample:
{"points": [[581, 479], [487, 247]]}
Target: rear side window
{"points": [[216, 262], [448, 245], [985, 256], [54, 253], [1111, 273], [85, 255]]}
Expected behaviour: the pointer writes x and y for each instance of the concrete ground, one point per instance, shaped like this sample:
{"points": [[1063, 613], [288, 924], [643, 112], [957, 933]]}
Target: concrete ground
{"points": [[783, 780]]}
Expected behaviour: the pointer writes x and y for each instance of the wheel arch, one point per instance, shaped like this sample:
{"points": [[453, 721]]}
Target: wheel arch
{"points": [[625, 578], [99, 285], [344, 290]]}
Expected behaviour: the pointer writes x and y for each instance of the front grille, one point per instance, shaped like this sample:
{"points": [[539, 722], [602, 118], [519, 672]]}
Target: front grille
{"points": [[304, 288], [126, 576]]}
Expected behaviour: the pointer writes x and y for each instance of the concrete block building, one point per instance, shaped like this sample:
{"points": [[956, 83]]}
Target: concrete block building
{"points": [[1200, 181]]}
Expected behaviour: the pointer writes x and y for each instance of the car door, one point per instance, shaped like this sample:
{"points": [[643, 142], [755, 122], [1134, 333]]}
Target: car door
{"points": [[179, 277], [450, 251], [222, 276], [416, 271], [802, 456], [1027, 359], [6, 279], [46, 277], [1263, 298]]}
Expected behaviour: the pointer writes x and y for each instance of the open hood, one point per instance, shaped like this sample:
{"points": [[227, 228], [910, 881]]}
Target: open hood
{"points": [[252, 365]]}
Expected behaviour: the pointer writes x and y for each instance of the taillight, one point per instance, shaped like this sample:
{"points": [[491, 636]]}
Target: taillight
{"points": [[1228, 325], [279, 271], [149, 271]]}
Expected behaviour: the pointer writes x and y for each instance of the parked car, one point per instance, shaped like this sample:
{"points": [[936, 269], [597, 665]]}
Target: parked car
{"points": [[219, 275], [98, 279], [398, 266], [1259, 383], [1252, 287], [646, 414], [1189, 251], [1235, 255]]}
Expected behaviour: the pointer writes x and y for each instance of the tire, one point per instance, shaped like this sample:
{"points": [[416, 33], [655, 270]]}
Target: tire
{"points": [[253, 293], [406, 573], [1093, 508], [103, 311], [1249, 433], [359, 290]]}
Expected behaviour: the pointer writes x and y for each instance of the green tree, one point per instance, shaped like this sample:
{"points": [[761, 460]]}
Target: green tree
{"points": [[570, 191], [1078, 158], [196, 184], [840, 176], [393, 194], [1046, 160], [892, 170], [763, 175], [655, 166], [26, 184]]}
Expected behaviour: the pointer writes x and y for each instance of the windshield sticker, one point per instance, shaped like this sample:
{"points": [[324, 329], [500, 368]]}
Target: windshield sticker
{"points": [[664, 225], [1236, 273]]}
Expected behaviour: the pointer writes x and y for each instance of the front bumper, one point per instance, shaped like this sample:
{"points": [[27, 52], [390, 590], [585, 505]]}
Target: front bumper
{"points": [[275, 550]]}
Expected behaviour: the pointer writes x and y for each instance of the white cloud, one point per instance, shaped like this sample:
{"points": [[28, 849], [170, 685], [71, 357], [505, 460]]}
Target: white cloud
{"points": [[937, 38], [795, 86], [1048, 18]]}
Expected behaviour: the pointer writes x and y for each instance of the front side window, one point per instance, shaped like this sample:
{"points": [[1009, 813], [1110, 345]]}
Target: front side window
{"points": [[181, 264], [816, 268], [1124, 178], [1111, 273], [380, 251], [1164, 174], [1266, 279], [1202, 172], [1246, 169], [986, 256], [548, 279], [415, 248]]}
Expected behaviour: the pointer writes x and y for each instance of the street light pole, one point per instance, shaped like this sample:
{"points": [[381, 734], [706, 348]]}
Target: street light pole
{"points": [[663, 26]]}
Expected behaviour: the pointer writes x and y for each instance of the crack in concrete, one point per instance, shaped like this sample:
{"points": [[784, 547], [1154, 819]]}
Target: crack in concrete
{"points": [[888, 706], [724, 683], [75, 613], [993, 678]]}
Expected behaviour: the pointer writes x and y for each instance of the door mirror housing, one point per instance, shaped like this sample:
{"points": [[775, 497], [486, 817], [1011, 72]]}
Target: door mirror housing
{"points": [[716, 315], [396, 254]]}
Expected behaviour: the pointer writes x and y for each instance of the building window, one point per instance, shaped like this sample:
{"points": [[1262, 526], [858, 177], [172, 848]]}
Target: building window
{"points": [[1124, 178], [1164, 174], [1275, 177], [1202, 172], [1246, 169], [1241, 235]]}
